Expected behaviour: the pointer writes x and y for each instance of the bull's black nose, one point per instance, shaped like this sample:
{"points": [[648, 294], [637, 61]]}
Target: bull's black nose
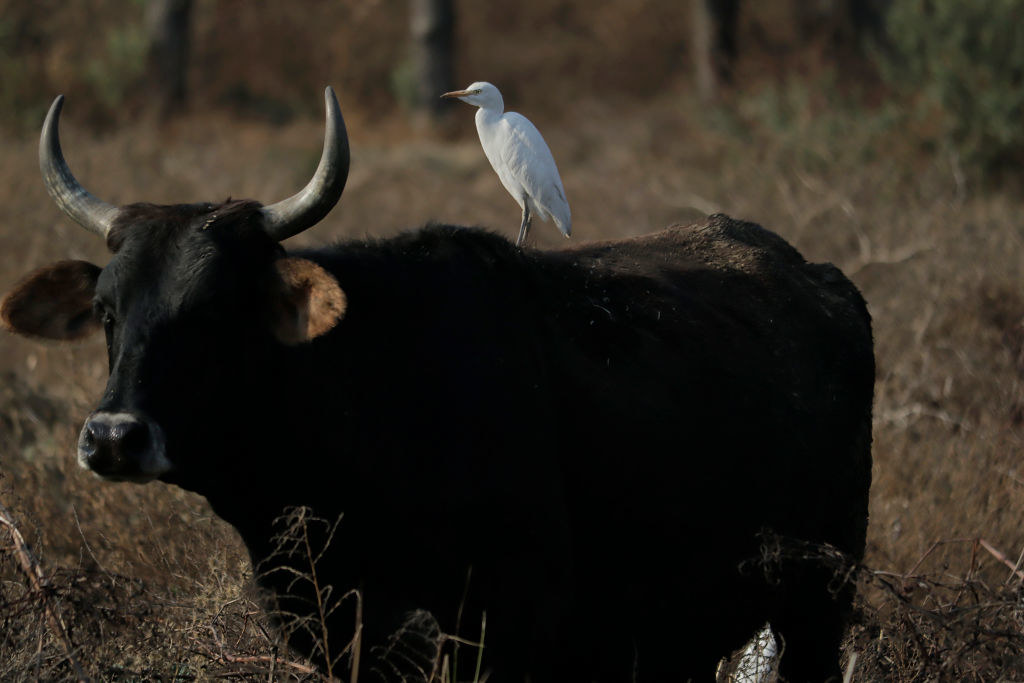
{"points": [[123, 446], [113, 445]]}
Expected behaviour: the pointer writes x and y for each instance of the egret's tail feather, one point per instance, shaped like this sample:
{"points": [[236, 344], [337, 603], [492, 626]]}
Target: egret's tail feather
{"points": [[564, 224]]}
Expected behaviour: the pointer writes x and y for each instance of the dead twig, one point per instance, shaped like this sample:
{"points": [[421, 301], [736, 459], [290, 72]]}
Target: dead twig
{"points": [[1015, 568], [269, 659], [272, 660], [40, 586], [848, 675]]}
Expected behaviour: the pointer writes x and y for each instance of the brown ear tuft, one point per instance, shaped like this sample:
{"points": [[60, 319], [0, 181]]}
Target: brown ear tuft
{"points": [[54, 302], [309, 301]]}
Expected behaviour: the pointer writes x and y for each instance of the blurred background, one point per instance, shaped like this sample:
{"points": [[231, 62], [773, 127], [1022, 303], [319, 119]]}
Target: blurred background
{"points": [[885, 136]]}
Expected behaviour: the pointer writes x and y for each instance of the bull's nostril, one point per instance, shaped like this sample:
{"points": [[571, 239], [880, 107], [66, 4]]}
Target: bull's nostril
{"points": [[94, 447], [88, 437], [87, 446]]}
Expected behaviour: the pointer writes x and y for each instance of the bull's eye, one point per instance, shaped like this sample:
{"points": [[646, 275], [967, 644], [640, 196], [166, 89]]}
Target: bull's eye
{"points": [[105, 316]]}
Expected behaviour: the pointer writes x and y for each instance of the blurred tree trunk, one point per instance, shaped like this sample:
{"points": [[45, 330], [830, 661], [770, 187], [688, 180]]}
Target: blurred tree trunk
{"points": [[868, 17], [432, 27], [714, 44], [167, 28], [850, 21]]}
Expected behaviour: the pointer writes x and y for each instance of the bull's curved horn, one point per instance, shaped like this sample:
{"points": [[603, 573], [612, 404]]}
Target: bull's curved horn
{"points": [[293, 215], [93, 214]]}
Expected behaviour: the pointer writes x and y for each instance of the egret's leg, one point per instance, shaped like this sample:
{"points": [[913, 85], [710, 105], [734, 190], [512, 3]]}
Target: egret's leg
{"points": [[525, 227]]}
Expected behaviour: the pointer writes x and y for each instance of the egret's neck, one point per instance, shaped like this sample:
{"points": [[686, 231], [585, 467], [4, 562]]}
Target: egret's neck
{"points": [[492, 110], [488, 114]]}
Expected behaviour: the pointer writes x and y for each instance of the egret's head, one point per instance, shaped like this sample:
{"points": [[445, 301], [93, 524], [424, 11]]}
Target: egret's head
{"points": [[479, 94]]}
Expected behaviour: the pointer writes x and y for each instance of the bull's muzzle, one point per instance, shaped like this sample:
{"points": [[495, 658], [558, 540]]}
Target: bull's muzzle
{"points": [[122, 447]]}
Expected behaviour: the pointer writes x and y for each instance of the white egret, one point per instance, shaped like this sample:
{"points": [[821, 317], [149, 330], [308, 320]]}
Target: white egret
{"points": [[519, 156]]}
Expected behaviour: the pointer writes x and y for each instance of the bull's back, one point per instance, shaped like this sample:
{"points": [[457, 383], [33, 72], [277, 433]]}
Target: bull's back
{"points": [[712, 370]]}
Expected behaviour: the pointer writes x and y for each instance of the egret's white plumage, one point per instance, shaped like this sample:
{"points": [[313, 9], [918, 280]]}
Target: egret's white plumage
{"points": [[519, 156]]}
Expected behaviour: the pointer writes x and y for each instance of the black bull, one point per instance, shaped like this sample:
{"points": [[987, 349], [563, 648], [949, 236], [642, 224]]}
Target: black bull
{"points": [[586, 444]]}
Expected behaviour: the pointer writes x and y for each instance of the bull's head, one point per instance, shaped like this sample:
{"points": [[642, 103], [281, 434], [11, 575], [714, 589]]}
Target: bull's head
{"points": [[196, 297]]}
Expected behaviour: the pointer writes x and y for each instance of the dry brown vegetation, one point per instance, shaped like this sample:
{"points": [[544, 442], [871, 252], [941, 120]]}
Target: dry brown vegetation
{"points": [[149, 584]]}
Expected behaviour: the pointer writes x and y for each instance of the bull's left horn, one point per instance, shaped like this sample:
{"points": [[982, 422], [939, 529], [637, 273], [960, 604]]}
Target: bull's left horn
{"points": [[304, 209], [93, 214]]}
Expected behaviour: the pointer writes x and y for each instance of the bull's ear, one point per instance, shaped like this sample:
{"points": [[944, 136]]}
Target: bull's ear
{"points": [[54, 302], [308, 301]]}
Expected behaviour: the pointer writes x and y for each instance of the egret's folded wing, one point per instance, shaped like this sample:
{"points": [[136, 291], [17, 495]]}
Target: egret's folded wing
{"points": [[529, 161]]}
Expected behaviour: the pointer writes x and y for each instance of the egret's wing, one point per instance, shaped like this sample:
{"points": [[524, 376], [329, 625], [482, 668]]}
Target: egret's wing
{"points": [[529, 162]]}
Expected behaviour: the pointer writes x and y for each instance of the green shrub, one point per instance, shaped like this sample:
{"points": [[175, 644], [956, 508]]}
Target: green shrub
{"points": [[963, 63], [118, 70]]}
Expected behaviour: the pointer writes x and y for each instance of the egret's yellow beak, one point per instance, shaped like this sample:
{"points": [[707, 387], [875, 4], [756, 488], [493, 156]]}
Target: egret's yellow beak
{"points": [[456, 94]]}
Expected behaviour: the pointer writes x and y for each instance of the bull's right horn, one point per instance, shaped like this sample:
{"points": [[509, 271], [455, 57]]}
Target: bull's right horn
{"points": [[293, 215], [93, 214]]}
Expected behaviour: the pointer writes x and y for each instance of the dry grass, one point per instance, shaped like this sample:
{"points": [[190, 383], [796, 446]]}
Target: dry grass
{"points": [[933, 625], [150, 584]]}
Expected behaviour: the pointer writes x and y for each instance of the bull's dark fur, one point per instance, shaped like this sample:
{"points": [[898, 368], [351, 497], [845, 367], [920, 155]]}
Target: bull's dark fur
{"points": [[600, 432]]}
